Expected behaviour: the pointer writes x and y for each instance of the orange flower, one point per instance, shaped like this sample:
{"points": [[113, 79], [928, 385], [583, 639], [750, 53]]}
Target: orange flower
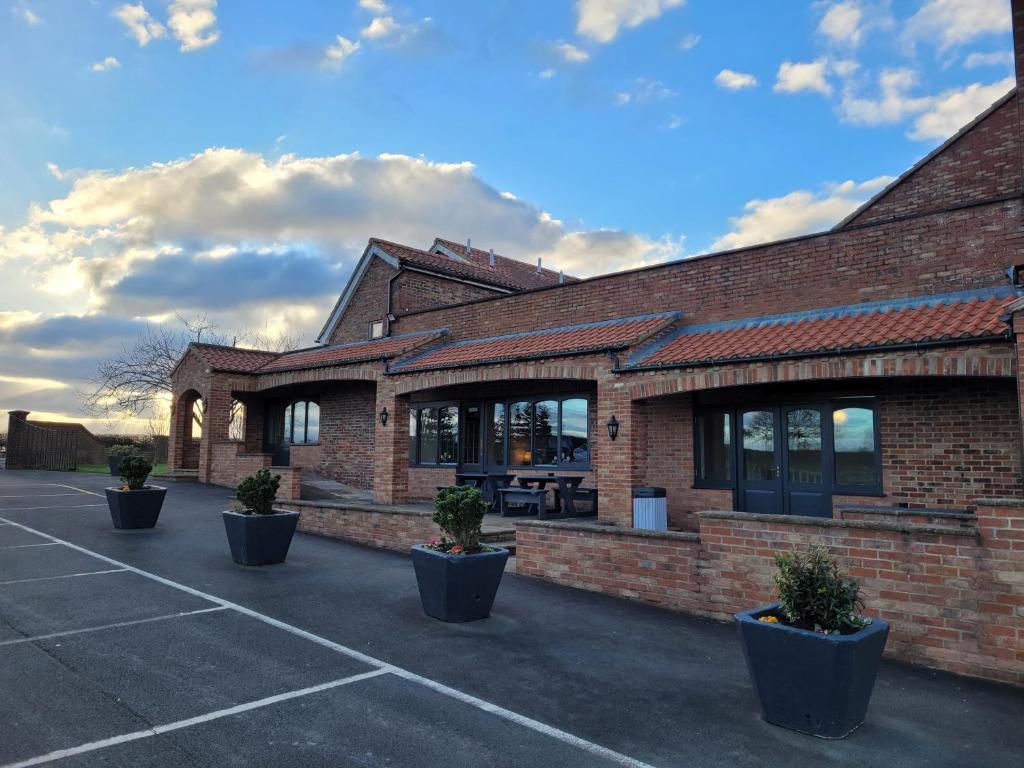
{"points": [[769, 619], [456, 550]]}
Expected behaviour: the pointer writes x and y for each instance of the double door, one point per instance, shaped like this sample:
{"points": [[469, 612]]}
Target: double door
{"points": [[784, 467]]}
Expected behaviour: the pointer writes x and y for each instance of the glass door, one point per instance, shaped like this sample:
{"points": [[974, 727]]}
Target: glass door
{"points": [[471, 440], [806, 490], [760, 461]]}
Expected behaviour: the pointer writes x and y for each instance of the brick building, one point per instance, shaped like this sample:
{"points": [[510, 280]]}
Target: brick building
{"points": [[859, 386]]}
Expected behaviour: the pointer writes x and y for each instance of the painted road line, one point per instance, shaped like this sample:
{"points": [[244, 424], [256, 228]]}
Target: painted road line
{"points": [[26, 546], [37, 495], [117, 625], [506, 714], [52, 506], [65, 576], [157, 730]]}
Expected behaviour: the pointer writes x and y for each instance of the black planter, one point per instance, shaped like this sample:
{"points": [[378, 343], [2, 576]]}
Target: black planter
{"points": [[811, 682], [135, 509], [114, 462], [458, 588], [260, 539]]}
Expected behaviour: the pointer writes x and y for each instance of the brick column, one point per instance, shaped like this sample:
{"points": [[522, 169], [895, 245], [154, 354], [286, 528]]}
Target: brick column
{"points": [[216, 419], [1018, 332], [390, 446], [176, 436], [17, 425], [619, 462]]}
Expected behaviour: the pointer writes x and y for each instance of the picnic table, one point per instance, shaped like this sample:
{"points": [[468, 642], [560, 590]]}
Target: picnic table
{"points": [[472, 479], [567, 491]]}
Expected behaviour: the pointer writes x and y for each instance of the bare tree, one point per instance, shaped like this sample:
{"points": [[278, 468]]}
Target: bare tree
{"points": [[137, 380]]}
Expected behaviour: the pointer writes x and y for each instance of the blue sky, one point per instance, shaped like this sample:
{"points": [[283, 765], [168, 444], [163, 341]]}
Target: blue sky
{"points": [[194, 144]]}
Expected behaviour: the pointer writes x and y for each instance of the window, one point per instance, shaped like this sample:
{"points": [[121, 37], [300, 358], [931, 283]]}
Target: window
{"points": [[302, 422], [434, 434], [714, 440], [377, 329], [804, 456], [546, 432], [853, 440], [236, 427]]}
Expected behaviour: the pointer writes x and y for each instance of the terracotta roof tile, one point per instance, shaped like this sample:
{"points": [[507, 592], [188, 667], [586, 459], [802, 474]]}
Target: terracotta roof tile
{"points": [[232, 359], [507, 273], [550, 342], [353, 352], [954, 316]]}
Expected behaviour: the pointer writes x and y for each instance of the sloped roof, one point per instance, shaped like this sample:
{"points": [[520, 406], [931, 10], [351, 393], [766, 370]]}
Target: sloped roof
{"points": [[549, 342], [232, 359], [352, 352], [512, 272], [948, 317]]}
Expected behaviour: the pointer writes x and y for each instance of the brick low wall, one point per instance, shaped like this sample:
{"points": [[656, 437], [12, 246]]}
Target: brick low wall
{"points": [[396, 529], [231, 463], [953, 594]]}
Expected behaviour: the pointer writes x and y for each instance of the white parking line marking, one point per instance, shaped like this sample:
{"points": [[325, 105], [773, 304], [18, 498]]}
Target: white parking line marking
{"points": [[382, 666], [80, 490], [65, 576], [117, 625], [26, 546], [51, 506], [37, 495], [157, 730]]}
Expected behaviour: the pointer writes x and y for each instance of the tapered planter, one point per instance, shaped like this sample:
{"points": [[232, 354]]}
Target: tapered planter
{"points": [[135, 509], [114, 462], [808, 681], [260, 539], [458, 588]]}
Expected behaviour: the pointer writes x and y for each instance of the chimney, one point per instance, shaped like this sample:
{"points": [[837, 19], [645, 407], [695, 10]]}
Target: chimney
{"points": [[561, 276], [538, 265], [469, 246], [490, 258]]}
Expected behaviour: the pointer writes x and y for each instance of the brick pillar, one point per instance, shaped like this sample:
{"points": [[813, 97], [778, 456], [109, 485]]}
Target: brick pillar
{"points": [[620, 461], [17, 423], [176, 435], [1018, 332], [390, 446], [1017, 10], [216, 419]]}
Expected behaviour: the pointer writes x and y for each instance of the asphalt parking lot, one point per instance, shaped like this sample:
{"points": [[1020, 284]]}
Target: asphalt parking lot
{"points": [[151, 648]]}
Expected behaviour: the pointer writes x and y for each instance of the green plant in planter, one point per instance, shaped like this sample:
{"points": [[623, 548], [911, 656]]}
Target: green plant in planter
{"points": [[257, 492], [814, 595], [459, 512], [134, 471], [122, 450]]}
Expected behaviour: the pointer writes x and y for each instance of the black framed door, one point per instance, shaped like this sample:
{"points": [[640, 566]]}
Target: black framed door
{"points": [[782, 462], [273, 436], [471, 437], [760, 461]]}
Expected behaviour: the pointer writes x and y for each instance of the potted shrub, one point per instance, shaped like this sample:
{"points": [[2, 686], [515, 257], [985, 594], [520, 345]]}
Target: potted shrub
{"points": [[458, 576], [257, 533], [116, 454], [812, 656], [135, 504]]}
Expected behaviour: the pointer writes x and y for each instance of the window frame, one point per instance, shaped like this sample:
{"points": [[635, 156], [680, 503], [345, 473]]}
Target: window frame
{"points": [[374, 324], [416, 446], [828, 407], [560, 398], [288, 418]]}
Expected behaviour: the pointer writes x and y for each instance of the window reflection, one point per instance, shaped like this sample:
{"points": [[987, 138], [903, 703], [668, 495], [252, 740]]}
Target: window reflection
{"points": [[758, 445], [854, 443], [803, 434], [716, 448]]}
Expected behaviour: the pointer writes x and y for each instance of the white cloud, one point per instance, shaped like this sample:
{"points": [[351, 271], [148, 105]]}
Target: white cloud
{"points": [[26, 14], [689, 41], [336, 54], [193, 23], [374, 6], [643, 91], [547, 74], [734, 81], [936, 117], [951, 110], [141, 25], [993, 59], [842, 23], [673, 122], [794, 77], [797, 213], [601, 20], [381, 26], [951, 23], [571, 53], [106, 64]]}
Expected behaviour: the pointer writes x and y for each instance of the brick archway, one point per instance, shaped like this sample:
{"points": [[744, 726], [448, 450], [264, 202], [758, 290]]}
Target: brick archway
{"points": [[183, 451]]}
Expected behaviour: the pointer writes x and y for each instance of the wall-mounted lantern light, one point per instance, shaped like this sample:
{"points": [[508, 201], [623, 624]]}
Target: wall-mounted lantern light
{"points": [[613, 427], [384, 416]]}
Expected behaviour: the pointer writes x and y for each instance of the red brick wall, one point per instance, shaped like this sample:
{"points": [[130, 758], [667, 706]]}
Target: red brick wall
{"points": [[413, 291], [423, 481], [369, 303], [956, 250], [982, 164], [397, 530], [954, 597]]}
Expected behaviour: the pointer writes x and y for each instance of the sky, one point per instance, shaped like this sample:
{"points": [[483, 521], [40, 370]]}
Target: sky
{"points": [[168, 159]]}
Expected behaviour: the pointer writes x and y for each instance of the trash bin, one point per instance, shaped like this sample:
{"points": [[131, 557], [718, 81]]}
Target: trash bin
{"points": [[650, 508]]}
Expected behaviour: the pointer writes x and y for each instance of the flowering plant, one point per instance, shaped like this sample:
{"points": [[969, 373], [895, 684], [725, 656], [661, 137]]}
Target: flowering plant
{"points": [[459, 512]]}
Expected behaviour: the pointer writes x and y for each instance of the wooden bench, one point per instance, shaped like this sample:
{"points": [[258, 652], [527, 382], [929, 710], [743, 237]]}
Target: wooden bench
{"points": [[523, 501]]}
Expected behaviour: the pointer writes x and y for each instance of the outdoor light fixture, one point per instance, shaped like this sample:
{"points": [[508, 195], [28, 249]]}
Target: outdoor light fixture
{"points": [[384, 416], [613, 427]]}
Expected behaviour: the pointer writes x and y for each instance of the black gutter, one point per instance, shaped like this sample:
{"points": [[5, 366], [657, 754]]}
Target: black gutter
{"points": [[909, 346]]}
